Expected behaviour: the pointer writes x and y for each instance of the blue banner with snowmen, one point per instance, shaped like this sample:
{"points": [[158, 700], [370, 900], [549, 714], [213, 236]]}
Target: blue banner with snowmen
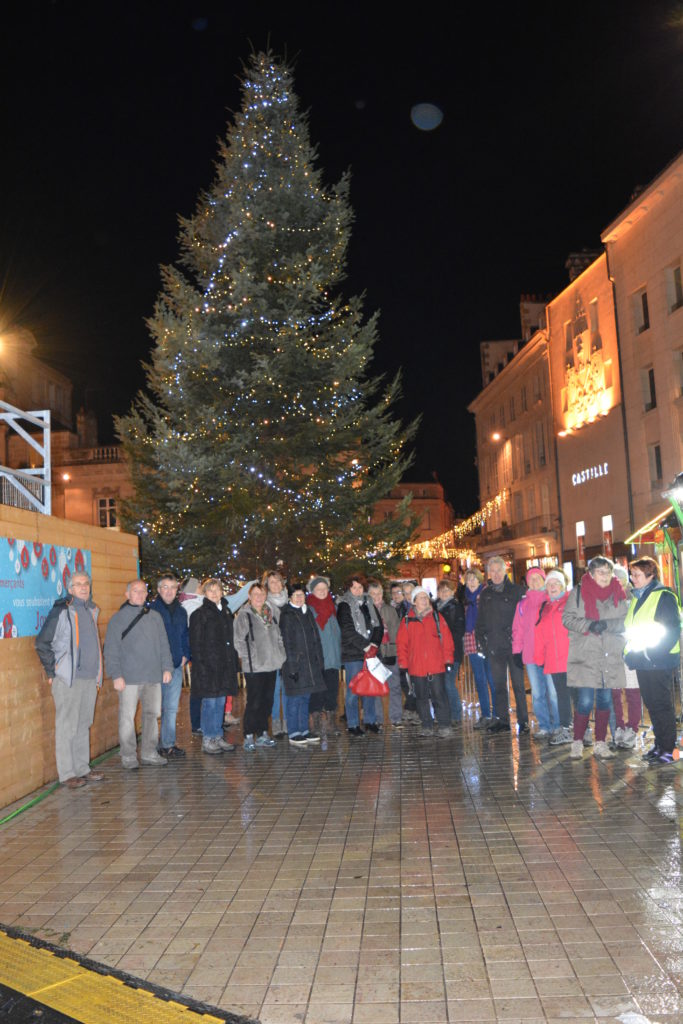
{"points": [[32, 577]]}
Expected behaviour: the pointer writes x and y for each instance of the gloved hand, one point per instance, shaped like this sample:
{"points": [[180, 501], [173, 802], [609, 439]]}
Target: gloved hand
{"points": [[517, 660], [598, 628]]}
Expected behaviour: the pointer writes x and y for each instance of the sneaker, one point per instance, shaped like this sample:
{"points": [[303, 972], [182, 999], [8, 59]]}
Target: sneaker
{"points": [[588, 737], [93, 776], [577, 749], [264, 740], [197, 732], [652, 754], [499, 726], [481, 723], [249, 742], [224, 745], [444, 732], [230, 720], [211, 746], [397, 725], [560, 736], [154, 760], [540, 733], [628, 738], [130, 765], [73, 783], [491, 722], [373, 727], [524, 729], [356, 733], [664, 760], [297, 739], [312, 737], [171, 753], [601, 750], [425, 731], [618, 736]]}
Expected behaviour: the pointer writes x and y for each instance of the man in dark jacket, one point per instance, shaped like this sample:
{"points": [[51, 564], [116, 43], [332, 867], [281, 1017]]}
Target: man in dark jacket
{"points": [[69, 649], [493, 632], [454, 614], [175, 621]]}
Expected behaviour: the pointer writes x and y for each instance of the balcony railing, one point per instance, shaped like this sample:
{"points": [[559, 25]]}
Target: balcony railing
{"points": [[76, 456], [515, 531]]}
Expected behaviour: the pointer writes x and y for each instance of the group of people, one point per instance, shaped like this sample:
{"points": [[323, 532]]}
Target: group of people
{"points": [[604, 642]]}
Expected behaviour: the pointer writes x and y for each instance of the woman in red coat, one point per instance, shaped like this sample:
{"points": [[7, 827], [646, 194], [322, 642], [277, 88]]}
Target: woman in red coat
{"points": [[551, 648], [424, 645]]}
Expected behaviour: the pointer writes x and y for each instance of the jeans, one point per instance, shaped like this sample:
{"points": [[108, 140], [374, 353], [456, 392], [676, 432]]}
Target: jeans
{"points": [[149, 696], [170, 698], [352, 668], [543, 698], [452, 692], [297, 714], [213, 709], [564, 703], [587, 696], [195, 712], [435, 687], [484, 683], [74, 713], [279, 692]]}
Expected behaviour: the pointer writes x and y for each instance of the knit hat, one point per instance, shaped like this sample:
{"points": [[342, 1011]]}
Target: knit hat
{"points": [[314, 581], [532, 570], [419, 590], [559, 575]]}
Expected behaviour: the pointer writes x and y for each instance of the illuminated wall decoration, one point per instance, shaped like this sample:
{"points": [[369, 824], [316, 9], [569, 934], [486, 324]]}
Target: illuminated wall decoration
{"points": [[588, 390]]}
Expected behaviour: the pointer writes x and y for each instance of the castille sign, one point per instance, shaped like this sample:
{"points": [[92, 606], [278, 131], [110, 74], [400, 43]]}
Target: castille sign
{"points": [[590, 473]]}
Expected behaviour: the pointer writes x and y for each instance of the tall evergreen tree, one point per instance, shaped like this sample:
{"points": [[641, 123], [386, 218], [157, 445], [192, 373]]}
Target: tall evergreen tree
{"points": [[263, 435]]}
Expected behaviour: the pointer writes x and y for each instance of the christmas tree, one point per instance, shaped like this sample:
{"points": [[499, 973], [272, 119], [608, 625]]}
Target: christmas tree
{"points": [[263, 436]]}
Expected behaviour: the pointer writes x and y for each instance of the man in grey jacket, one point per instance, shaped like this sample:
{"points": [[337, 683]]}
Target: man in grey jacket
{"points": [[69, 649], [138, 657]]}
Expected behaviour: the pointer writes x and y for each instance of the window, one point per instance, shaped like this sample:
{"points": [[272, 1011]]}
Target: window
{"points": [[641, 311], [568, 340], [654, 454], [540, 444], [501, 415], [527, 454], [512, 409], [537, 388], [523, 399], [106, 512], [647, 382], [674, 288], [518, 507], [596, 340], [531, 503], [678, 372]]}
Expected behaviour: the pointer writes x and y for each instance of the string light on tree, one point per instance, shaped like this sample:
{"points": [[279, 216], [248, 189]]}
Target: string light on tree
{"points": [[261, 435]]}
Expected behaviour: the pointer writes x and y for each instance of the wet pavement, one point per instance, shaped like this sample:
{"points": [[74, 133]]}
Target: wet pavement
{"points": [[388, 880]]}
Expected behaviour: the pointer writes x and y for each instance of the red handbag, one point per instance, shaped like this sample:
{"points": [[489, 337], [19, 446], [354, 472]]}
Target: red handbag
{"points": [[364, 684]]}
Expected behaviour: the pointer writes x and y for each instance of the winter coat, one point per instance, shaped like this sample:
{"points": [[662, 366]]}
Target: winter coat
{"points": [[259, 643], [303, 670], [494, 618], [175, 621], [421, 650], [593, 660], [657, 656], [56, 644], [330, 638], [524, 625], [391, 622], [355, 644], [551, 639], [214, 658], [454, 614], [143, 654]]}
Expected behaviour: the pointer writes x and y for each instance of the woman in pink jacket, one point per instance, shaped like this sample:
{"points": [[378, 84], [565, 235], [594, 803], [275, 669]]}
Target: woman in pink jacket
{"points": [[543, 695], [551, 649]]}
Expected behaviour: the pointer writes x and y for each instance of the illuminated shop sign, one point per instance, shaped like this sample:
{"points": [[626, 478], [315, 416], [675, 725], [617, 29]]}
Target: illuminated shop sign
{"points": [[590, 473]]}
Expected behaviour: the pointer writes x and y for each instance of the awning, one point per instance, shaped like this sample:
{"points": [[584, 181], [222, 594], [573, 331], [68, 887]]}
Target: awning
{"points": [[639, 535]]}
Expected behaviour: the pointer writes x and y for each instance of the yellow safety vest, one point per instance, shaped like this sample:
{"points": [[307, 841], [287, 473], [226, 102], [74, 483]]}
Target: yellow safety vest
{"points": [[640, 627]]}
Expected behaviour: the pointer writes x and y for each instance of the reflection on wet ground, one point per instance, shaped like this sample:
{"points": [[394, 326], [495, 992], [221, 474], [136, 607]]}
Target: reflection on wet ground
{"points": [[393, 879]]}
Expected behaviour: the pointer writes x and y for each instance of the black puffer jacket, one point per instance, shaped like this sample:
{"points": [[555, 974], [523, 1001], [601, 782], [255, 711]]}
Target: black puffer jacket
{"points": [[354, 643], [303, 669], [214, 659], [454, 614], [494, 619]]}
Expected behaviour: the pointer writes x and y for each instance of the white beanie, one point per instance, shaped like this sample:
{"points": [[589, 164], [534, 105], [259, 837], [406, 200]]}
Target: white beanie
{"points": [[419, 590], [557, 574]]}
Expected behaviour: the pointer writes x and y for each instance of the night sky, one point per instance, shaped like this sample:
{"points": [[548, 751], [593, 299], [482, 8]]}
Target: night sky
{"points": [[109, 117]]}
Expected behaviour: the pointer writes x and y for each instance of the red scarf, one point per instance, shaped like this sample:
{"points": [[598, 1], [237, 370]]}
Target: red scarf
{"points": [[591, 593], [324, 609]]}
